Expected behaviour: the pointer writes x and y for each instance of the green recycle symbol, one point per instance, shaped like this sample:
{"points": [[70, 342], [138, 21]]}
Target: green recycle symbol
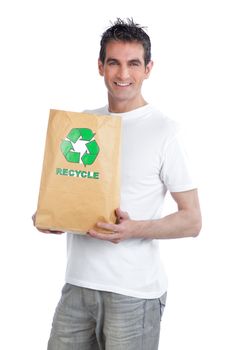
{"points": [[80, 134]]}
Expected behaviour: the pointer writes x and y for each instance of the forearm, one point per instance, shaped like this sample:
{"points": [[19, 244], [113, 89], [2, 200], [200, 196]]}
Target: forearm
{"points": [[186, 222], [183, 223]]}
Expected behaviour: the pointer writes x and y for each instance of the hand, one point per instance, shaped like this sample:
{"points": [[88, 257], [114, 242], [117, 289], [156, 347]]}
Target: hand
{"points": [[125, 228], [45, 230]]}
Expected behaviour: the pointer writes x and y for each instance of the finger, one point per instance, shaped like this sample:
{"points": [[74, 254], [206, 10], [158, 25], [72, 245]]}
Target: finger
{"points": [[43, 231], [108, 227], [116, 241], [122, 215], [34, 218], [56, 232], [103, 236], [50, 231]]}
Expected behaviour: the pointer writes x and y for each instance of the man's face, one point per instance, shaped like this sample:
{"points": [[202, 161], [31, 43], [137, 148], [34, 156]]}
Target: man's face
{"points": [[124, 71]]}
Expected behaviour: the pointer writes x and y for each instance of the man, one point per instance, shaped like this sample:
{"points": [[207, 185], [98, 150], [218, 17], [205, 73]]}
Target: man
{"points": [[116, 287]]}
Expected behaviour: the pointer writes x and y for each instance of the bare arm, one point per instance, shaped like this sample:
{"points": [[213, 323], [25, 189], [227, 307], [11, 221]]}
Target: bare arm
{"points": [[185, 222]]}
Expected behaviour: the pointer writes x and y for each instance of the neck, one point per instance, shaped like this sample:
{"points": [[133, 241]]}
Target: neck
{"points": [[125, 106]]}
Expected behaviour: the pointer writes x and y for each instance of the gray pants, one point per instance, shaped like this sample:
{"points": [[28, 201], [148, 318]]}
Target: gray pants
{"points": [[87, 319]]}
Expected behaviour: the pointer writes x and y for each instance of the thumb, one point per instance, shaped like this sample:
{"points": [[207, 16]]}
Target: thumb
{"points": [[122, 215]]}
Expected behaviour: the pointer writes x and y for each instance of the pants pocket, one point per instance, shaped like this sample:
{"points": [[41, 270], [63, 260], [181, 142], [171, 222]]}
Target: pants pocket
{"points": [[162, 301]]}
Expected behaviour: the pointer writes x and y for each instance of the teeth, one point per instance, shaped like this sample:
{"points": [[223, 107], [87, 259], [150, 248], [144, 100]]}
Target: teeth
{"points": [[122, 84]]}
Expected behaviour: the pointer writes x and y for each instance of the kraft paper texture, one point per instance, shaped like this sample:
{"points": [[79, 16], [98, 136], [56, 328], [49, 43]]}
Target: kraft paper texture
{"points": [[80, 181]]}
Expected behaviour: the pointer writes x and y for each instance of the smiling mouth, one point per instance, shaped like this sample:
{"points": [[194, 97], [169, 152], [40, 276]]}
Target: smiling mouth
{"points": [[118, 83]]}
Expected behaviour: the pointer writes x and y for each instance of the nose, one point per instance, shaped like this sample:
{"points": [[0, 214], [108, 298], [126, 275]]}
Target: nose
{"points": [[123, 73]]}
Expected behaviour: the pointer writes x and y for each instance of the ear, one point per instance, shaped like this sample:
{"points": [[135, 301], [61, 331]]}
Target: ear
{"points": [[101, 68], [148, 69]]}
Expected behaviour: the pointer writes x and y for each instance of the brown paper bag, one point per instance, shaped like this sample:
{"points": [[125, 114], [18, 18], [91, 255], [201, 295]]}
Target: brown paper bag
{"points": [[80, 181]]}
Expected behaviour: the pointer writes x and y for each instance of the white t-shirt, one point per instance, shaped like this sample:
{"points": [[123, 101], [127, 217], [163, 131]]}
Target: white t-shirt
{"points": [[152, 162]]}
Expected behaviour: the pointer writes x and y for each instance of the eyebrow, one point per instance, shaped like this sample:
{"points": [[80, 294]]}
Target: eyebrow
{"points": [[134, 60]]}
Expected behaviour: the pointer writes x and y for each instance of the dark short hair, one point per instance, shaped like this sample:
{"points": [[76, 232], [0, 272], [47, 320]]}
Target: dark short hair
{"points": [[126, 31]]}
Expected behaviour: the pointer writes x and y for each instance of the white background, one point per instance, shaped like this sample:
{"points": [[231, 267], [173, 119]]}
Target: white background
{"points": [[48, 56]]}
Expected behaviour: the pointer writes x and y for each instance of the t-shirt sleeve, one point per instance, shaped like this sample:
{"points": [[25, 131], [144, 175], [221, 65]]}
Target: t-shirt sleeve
{"points": [[176, 173]]}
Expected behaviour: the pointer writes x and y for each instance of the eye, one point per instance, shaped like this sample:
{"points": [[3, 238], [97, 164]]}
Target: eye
{"points": [[112, 63], [135, 64]]}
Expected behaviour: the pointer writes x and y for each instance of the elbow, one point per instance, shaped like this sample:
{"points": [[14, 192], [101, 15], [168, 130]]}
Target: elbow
{"points": [[194, 223], [197, 227]]}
